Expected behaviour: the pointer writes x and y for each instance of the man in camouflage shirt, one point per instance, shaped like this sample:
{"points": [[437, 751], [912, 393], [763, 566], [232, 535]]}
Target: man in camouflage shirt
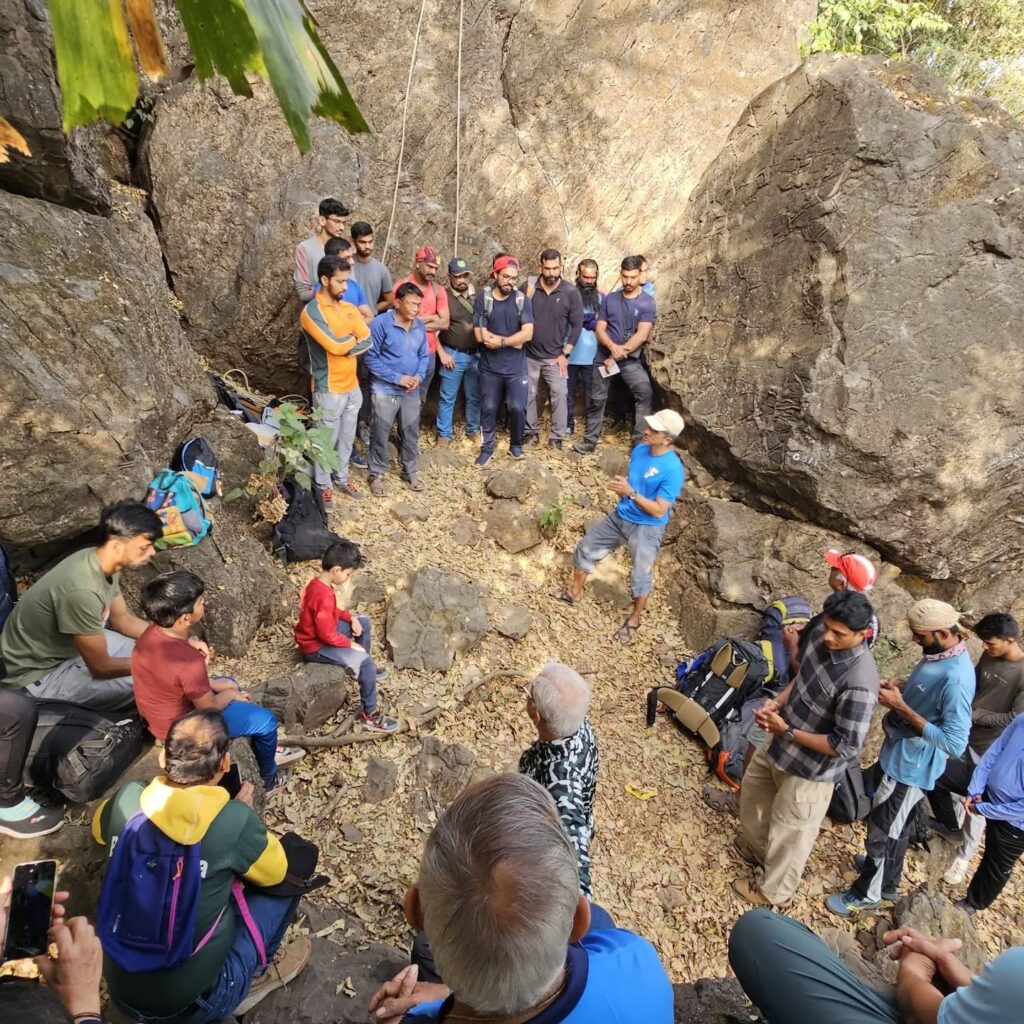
{"points": [[564, 759]]}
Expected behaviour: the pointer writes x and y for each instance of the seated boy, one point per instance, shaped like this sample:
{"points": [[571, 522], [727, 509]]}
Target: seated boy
{"points": [[171, 678], [324, 632]]}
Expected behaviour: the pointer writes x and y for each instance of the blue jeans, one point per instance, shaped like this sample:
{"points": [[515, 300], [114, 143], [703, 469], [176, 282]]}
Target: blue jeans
{"points": [[260, 725], [272, 915], [643, 541], [356, 659], [466, 369]]}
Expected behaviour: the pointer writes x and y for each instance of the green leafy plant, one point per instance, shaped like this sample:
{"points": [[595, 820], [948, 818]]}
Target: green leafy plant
{"points": [[275, 39], [550, 519], [890, 27]]}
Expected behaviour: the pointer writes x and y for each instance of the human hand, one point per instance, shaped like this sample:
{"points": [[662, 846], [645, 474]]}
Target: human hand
{"points": [[406, 381], [771, 721], [399, 995], [492, 340], [245, 794], [769, 705], [890, 697], [242, 696], [75, 974], [620, 485], [970, 804], [563, 367], [356, 626], [201, 647], [445, 359], [909, 940], [618, 352]]}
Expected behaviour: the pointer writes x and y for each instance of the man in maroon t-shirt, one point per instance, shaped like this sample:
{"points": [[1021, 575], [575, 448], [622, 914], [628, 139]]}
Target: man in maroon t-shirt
{"points": [[171, 677], [434, 310]]}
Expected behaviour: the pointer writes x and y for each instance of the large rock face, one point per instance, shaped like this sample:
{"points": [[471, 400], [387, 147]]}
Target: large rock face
{"points": [[62, 169], [97, 382], [583, 126], [843, 330]]}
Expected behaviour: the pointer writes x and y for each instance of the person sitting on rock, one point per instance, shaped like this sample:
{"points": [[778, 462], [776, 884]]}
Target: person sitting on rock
{"points": [[998, 700], [928, 721], [70, 636], [499, 900], [397, 362], [792, 977], [233, 938], [646, 496], [996, 793], [171, 676], [564, 758], [324, 632]]}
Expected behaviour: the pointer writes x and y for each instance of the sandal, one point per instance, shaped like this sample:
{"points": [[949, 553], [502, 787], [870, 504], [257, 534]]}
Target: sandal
{"points": [[625, 633], [563, 594], [377, 488]]}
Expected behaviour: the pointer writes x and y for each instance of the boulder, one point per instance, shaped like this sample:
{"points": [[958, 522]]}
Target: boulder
{"points": [[367, 589], [432, 618], [90, 411], [727, 562], [513, 527], [381, 779], [465, 531], [506, 483], [442, 771], [233, 195], [63, 169], [514, 622], [841, 331], [306, 697]]}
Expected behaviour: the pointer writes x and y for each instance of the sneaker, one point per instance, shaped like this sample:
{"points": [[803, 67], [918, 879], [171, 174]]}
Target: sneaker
{"points": [[957, 871], [847, 903], [355, 459], [288, 963], [516, 453], [968, 908], [382, 673], [414, 483], [859, 860], [721, 800], [377, 488], [741, 846], [288, 755], [349, 490], [557, 445], [584, 447], [483, 458], [377, 722], [940, 828], [29, 819], [749, 892], [327, 493]]}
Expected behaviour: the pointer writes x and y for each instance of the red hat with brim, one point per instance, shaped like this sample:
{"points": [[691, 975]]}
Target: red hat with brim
{"points": [[857, 570]]}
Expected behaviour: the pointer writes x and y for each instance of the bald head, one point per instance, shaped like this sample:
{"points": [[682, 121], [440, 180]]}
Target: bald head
{"points": [[562, 698], [195, 746]]}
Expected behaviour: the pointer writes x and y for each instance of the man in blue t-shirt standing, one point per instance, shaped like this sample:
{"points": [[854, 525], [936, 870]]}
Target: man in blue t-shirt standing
{"points": [[511, 934], [646, 497], [503, 324], [623, 326]]}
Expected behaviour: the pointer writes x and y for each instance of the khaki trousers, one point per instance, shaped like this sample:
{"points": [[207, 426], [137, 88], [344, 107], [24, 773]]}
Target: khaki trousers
{"points": [[781, 815]]}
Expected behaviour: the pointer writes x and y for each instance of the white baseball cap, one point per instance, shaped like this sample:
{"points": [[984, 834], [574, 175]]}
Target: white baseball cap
{"points": [[666, 422]]}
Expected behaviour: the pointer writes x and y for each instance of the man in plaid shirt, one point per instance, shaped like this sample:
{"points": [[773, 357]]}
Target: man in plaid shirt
{"points": [[819, 724]]}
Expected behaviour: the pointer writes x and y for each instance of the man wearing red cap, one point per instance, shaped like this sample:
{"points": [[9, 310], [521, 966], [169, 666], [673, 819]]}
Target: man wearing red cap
{"points": [[434, 311]]}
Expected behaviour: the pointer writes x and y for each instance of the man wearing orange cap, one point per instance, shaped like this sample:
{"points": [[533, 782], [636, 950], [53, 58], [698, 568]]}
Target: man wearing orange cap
{"points": [[434, 311], [928, 721]]}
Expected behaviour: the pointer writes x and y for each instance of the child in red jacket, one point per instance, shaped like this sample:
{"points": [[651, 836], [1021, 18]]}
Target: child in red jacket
{"points": [[325, 632]]}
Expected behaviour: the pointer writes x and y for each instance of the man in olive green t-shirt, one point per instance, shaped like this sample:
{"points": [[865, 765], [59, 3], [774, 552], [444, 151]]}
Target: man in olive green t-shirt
{"points": [[70, 636]]}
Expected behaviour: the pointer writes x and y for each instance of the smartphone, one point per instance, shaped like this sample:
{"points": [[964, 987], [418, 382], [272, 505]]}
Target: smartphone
{"points": [[28, 920], [231, 780]]}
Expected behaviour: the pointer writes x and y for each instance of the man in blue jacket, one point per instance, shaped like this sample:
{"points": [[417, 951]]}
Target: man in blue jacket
{"points": [[929, 720], [398, 364]]}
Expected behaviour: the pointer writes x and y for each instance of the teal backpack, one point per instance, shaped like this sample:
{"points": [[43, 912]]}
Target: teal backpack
{"points": [[180, 506]]}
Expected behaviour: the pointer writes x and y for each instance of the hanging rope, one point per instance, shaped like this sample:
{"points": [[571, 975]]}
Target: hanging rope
{"points": [[458, 132], [401, 146]]}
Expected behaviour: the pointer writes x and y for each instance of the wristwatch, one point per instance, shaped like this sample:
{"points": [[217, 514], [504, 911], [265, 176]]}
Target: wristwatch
{"points": [[789, 733], [633, 496]]}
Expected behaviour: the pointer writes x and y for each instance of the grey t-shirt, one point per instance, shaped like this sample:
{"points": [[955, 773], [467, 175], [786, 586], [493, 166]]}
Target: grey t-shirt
{"points": [[308, 255], [373, 278]]}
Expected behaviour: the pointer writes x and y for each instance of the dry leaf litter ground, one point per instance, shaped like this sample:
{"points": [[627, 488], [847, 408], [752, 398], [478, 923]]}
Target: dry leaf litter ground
{"points": [[662, 866]]}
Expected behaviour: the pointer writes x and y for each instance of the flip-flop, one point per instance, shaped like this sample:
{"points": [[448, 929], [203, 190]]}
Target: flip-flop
{"points": [[562, 594], [625, 633]]}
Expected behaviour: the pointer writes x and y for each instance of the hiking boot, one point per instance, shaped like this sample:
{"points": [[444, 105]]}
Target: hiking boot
{"points": [[584, 447], [288, 755], [377, 721], [743, 848], [377, 488], [748, 891], [414, 483], [859, 860], [516, 453], [940, 828], [355, 459], [722, 800], [444, 442], [557, 445], [957, 871], [483, 458], [327, 493], [349, 490], [29, 820], [288, 963], [845, 904]]}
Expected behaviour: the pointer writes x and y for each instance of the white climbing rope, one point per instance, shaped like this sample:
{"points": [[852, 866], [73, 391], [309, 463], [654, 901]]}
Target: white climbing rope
{"points": [[401, 146], [458, 132]]}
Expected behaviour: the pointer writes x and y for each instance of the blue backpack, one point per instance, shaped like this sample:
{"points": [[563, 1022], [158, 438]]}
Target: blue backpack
{"points": [[180, 506], [147, 911]]}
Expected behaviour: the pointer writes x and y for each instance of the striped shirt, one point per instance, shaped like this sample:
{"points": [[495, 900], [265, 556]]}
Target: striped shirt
{"points": [[834, 694]]}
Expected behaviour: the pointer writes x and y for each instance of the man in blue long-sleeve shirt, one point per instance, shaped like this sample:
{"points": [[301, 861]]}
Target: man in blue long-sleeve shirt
{"points": [[996, 791], [929, 720]]}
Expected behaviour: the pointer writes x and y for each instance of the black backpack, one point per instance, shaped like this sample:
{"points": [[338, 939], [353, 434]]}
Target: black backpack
{"points": [[197, 457], [8, 596], [302, 535], [79, 753], [850, 799], [713, 689]]}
